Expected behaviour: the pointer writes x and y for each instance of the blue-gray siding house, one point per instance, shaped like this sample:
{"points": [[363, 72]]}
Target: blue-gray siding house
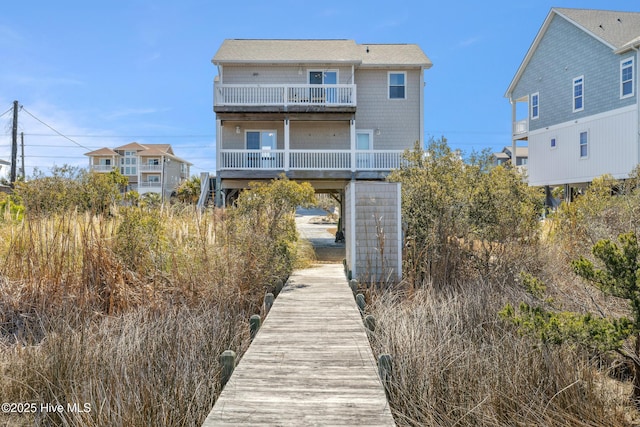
{"points": [[574, 97]]}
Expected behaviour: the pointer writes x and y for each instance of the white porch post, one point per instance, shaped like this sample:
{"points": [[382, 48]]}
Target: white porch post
{"points": [[421, 119], [352, 129], [513, 138], [219, 129], [286, 144], [351, 239]]}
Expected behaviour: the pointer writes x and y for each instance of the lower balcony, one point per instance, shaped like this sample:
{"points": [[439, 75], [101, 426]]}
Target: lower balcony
{"points": [[286, 160]]}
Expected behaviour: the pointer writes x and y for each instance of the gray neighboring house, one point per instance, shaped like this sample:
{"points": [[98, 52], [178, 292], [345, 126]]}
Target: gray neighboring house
{"points": [[504, 156], [323, 111], [578, 86]]}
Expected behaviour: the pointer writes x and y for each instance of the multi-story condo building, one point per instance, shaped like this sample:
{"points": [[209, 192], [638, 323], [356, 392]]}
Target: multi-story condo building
{"points": [[323, 111], [151, 168], [578, 84]]}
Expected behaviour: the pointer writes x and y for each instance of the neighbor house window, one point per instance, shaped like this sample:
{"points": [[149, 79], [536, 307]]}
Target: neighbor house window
{"points": [[626, 78], [535, 105], [397, 85], [578, 94], [128, 163], [584, 144]]}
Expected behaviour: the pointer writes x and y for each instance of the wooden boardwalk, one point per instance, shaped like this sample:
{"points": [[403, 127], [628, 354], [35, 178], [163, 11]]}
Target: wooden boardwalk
{"points": [[309, 365]]}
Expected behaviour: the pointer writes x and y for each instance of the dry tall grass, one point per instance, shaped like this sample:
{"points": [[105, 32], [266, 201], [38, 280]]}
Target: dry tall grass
{"points": [[457, 364], [136, 338]]}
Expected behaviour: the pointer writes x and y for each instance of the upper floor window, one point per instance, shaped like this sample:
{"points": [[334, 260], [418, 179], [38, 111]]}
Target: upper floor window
{"points": [[128, 163], [626, 78], [535, 105], [578, 94], [397, 85], [584, 144], [323, 77]]}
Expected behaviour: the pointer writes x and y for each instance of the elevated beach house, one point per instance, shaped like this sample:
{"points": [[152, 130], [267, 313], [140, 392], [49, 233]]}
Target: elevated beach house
{"points": [[578, 84], [150, 168], [333, 113], [324, 111]]}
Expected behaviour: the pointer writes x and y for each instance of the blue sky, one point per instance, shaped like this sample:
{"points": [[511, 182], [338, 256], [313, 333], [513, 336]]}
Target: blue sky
{"points": [[109, 73]]}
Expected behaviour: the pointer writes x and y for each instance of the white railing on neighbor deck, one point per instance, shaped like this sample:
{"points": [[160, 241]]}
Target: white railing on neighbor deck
{"points": [[102, 168], [149, 184], [521, 127], [150, 168], [284, 95], [310, 160]]}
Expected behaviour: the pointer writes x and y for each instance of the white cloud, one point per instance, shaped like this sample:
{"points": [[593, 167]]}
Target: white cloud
{"points": [[469, 42]]}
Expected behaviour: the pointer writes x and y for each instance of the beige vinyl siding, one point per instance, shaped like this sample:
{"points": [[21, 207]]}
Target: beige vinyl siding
{"points": [[236, 141], [329, 135], [372, 222], [397, 119], [272, 74]]}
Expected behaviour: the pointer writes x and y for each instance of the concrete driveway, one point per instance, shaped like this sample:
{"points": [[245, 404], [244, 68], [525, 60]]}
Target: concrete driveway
{"points": [[319, 235]]}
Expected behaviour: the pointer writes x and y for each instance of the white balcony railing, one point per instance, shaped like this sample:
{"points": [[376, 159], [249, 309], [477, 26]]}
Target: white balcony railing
{"points": [[521, 127], [102, 168], [284, 95], [150, 168], [310, 160], [252, 159], [316, 160], [149, 184]]}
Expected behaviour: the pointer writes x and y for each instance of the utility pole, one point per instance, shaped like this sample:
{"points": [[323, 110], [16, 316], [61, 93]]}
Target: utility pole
{"points": [[22, 155], [14, 143]]}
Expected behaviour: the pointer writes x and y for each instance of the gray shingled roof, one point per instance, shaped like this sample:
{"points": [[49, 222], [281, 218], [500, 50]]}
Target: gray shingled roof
{"points": [[615, 28], [242, 51], [393, 54], [619, 30]]}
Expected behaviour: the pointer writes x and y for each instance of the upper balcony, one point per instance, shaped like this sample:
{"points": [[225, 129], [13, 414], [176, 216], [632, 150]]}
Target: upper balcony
{"points": [[102, 168], [521, 130], [284, 97]]}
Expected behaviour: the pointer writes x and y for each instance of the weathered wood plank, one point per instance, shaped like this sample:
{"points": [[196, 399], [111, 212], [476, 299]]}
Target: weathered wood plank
{"points": [[309, 364]]}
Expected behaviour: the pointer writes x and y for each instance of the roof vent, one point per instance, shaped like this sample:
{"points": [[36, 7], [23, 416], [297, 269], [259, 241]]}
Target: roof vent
{"points": [[367, 49]]}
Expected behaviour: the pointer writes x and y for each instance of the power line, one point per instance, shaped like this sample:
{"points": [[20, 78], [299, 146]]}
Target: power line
{"points": [[6, 112], [126, 136], [59, 133]]}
